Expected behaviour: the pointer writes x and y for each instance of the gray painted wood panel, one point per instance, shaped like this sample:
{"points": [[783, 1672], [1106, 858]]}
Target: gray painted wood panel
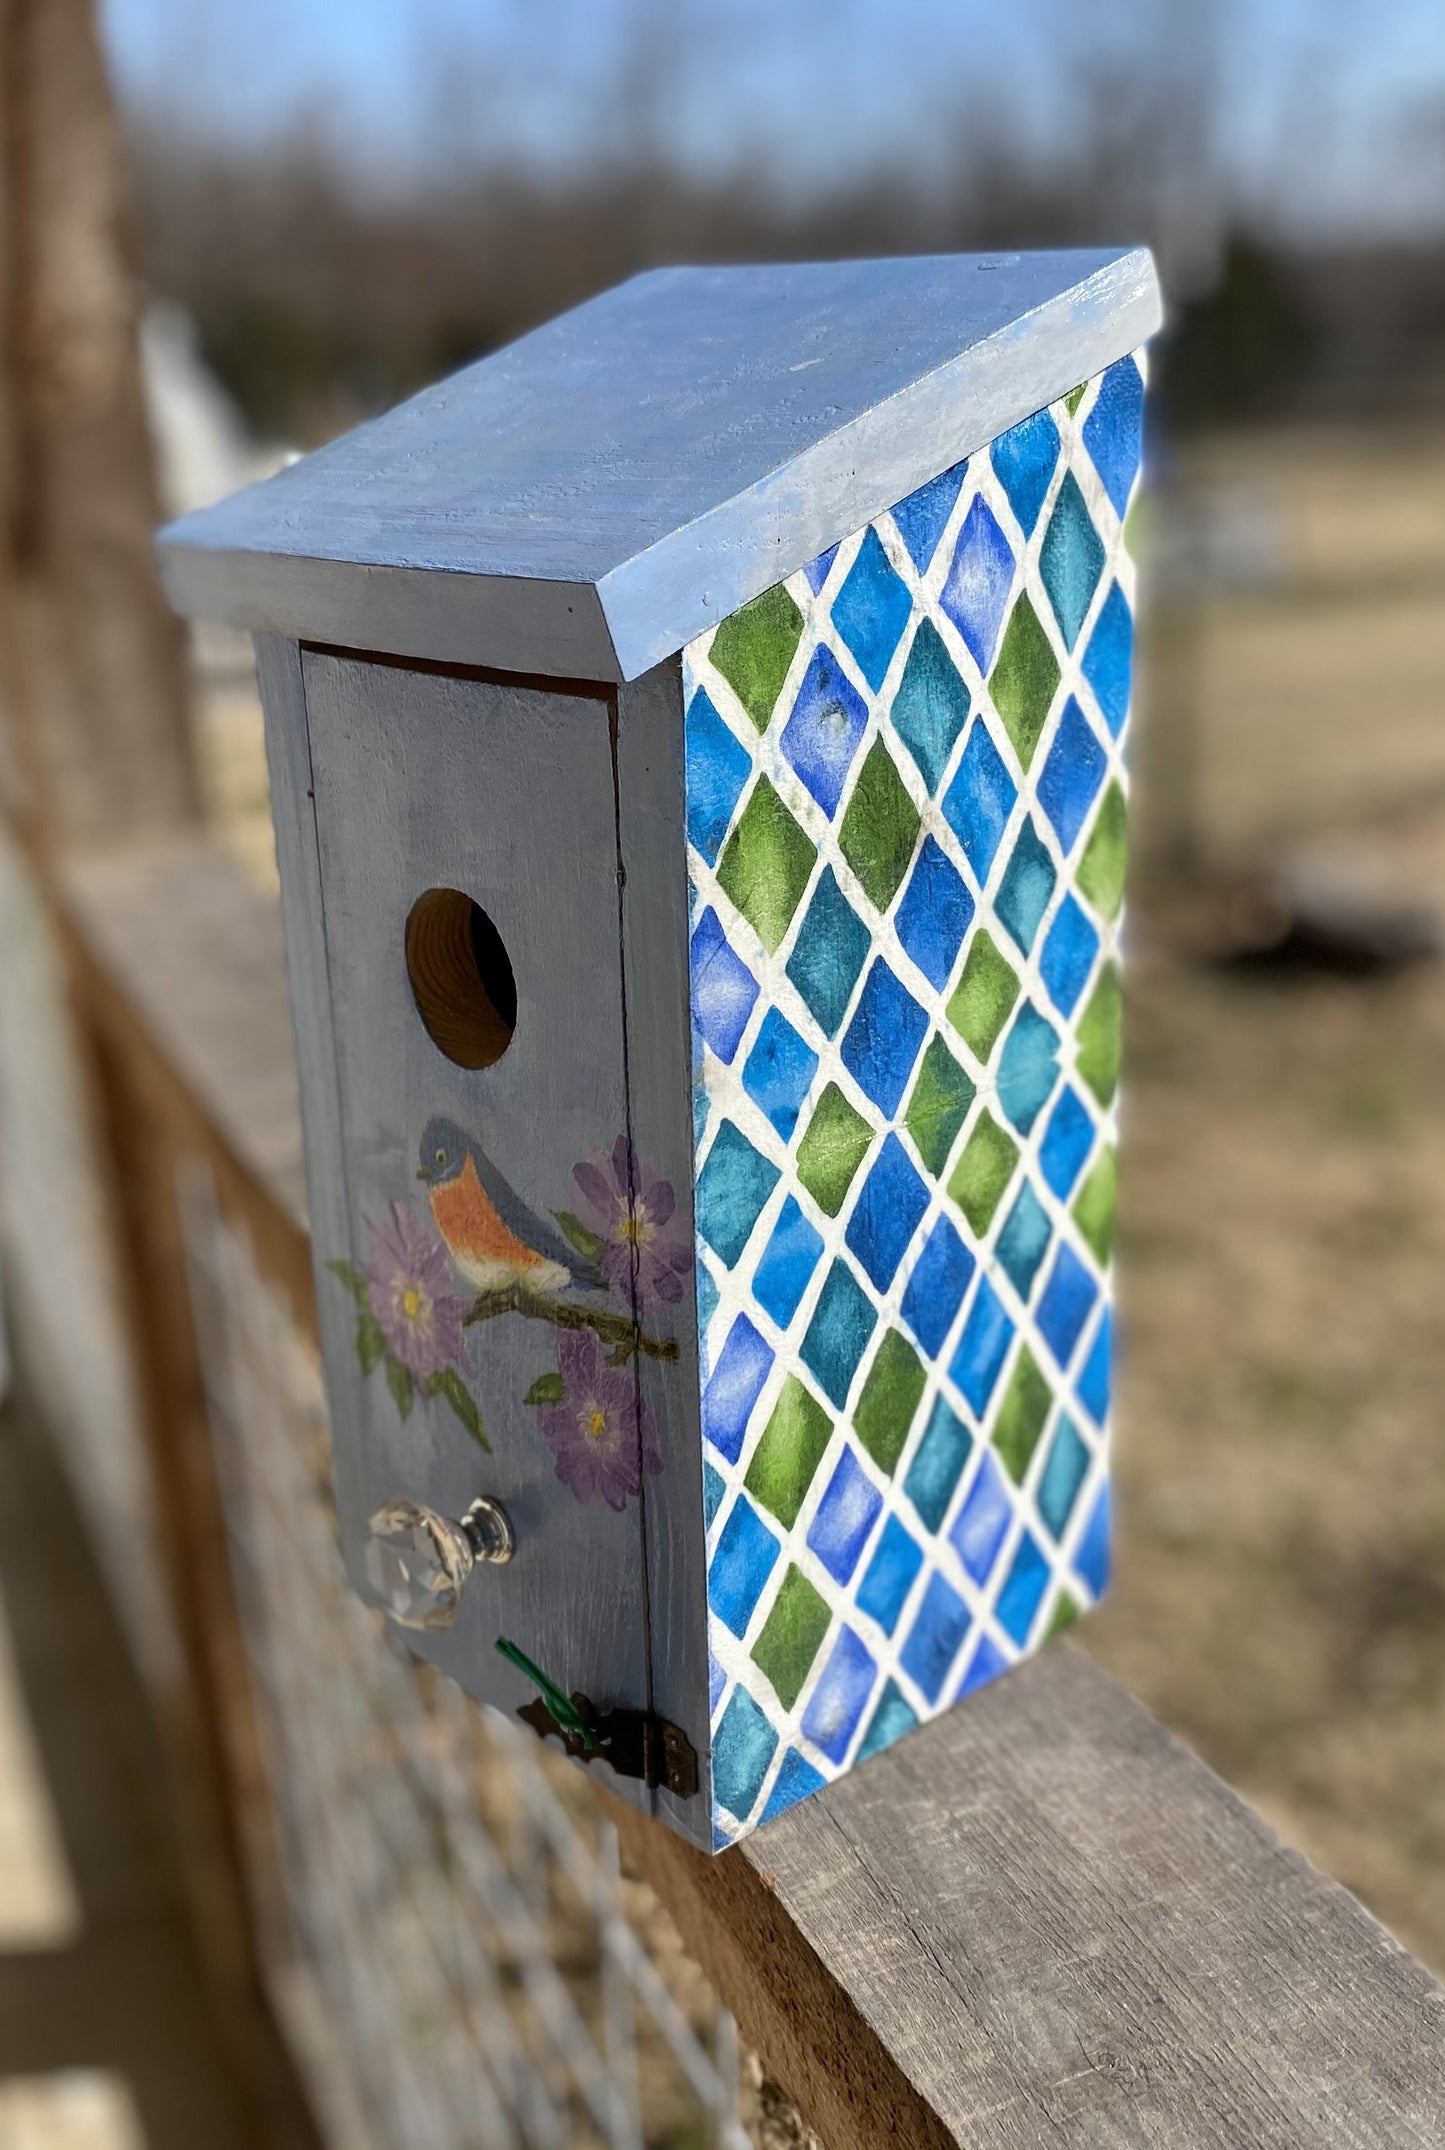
{"points": [[651, 811], [424, 780], [591, 498]]}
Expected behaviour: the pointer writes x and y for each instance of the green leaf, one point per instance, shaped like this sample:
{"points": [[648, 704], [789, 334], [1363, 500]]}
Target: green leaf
{"points": [[588, 1244], [399, 1381], [352, 1278], [547, 1388], [449, 1385], [370, 1341]]}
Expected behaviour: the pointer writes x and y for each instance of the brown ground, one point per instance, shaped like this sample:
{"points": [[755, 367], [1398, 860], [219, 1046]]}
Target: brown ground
{"points": [[1280, 1595]]}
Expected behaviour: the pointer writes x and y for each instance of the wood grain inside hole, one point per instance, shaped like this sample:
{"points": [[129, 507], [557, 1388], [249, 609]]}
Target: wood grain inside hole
{"points": [[461, 978]]}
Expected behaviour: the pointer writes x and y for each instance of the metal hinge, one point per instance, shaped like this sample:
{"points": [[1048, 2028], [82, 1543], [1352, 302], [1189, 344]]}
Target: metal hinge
{"points": [[634, 1743]]}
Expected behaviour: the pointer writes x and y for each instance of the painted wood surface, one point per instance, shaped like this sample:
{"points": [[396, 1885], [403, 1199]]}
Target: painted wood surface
{"points": [[650, 783], [421, 781], [631, 473], [1039, 1920]]}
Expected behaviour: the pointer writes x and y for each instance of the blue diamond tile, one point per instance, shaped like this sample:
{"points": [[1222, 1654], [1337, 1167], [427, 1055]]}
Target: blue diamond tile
{"points": [[1068, 1139], [746, 1555], [882, 1041], [1064, 1473], [976, 590], [982, 1348], [1068, 956], [714, 1486], [1093, 1384], [935, 914], [980, 799], [821, 736], [938, 1464], [1027, 885], [731, 1190], [1067, 1303], [707, 1297], [846, 1515], [1024, 1240], [887, 1213], [717, 769], [840, 1697], [871, 610], [717, 1681], [1023, 1590], [743, 1745], [818, 569], [982, 1522], [922, 518], [986, 1663], [935, 1290], [931, 706], [836, 1337], [1072, 774], [779, 1071], [1113, 428], [1108, 657], [935, 1638], [723, 988], [828, 953], [890, 1576], [1071, 559], [787, 1263], [796, 1779], [1023, 461], [892, 1718], [1028, 1067], [1091, 1555], [735, 1385]]}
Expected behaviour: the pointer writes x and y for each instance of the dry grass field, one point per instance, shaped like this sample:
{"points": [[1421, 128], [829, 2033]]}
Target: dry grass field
{"points": [[1280, 1584]]}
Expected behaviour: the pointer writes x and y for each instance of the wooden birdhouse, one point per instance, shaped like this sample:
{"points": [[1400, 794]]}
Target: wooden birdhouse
{"points": [[697, 737]]}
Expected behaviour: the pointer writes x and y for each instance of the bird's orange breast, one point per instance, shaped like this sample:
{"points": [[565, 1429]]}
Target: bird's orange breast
{"points": [[470, 1226]]}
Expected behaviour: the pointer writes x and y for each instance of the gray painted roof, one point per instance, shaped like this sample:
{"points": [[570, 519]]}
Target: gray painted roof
{"points": [[586, 501]]}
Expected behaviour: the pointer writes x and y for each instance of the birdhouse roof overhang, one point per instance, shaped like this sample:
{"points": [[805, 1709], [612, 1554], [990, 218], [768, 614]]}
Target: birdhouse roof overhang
{"points": [[586, 501]]}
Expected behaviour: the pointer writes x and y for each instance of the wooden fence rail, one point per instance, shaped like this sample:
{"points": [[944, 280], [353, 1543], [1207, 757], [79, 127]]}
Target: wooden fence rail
{"points": [[1037, 1920]]}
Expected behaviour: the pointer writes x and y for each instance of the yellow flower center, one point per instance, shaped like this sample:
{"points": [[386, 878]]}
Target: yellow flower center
{"points": [[597, 1422], [635, 1229], [413, 1299]]}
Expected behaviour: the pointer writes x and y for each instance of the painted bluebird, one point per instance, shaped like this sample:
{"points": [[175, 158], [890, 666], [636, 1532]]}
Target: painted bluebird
{"points": [[495, 1240]]}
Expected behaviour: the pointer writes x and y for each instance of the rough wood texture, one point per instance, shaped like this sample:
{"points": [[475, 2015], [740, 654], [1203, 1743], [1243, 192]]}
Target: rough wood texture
{"points": [[626, 476], [1038, 1920], [90, 659]]}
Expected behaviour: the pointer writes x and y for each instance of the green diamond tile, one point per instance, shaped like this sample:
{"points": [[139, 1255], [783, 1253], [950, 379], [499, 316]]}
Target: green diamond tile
{"points": [[1094, 1206], [890, 1398], [984, 995], [789, 1452], [753, 649], [1075, 397], [880, 827], [1101, 869], [1100, 1035], [1022, 1415], [1024, 680], [1064, 1614], [835, 1144], [766, 865], [939, 1105], [983, 1172], [792, 1635]]}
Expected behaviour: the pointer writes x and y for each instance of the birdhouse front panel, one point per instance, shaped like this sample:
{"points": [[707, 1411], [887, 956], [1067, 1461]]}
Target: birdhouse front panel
{"points": [[905, 813]]}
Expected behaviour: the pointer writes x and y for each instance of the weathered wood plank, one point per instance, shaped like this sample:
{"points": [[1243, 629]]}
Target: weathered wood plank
{"points": [[1037, 1920]]}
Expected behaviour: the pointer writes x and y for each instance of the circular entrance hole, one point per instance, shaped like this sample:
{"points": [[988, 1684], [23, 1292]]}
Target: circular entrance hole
{"points": [[461, 978]]}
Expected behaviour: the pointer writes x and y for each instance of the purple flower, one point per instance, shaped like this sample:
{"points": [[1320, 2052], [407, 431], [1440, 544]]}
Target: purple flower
{"points": [[631, 1206], [407, 1282], [601, 1440]]}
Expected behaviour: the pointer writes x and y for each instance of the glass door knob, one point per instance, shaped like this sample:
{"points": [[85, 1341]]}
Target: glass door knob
{"points": [[417, 1561]]}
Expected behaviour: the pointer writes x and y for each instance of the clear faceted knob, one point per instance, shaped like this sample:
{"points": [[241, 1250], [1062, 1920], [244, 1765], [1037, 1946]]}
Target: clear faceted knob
{"points": [[418, 1561]]}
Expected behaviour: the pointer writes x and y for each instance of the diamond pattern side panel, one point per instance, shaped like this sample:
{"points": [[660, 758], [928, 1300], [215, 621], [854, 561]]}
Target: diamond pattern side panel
{"points": [[906, 783]]}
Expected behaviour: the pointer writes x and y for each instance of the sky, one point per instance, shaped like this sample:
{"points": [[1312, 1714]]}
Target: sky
{"points": [[1332, 112]]}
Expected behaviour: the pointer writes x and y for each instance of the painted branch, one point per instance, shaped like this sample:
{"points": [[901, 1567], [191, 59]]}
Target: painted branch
{"points": [[619, 1330]]}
